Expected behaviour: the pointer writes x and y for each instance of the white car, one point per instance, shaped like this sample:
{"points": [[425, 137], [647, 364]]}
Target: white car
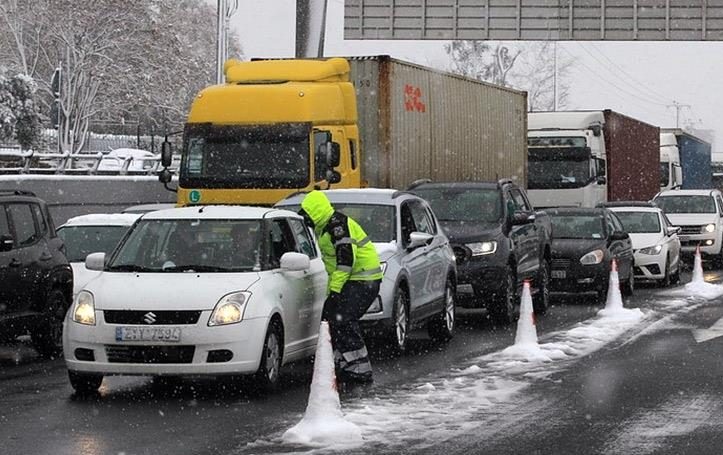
{"points": [[655, 241], [699, 213], [85, 234], [207, 290]]}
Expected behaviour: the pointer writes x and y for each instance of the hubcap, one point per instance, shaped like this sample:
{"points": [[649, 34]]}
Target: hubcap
{"points": [[272, 357], [449, 310], [401, 322]]}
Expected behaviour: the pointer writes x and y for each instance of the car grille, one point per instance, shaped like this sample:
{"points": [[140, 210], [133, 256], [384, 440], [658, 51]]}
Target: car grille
{"points": [[158, 317], [560, 264], [149, 354], [690, 230]]}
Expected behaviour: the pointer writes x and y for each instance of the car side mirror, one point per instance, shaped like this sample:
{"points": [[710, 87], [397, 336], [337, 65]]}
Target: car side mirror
{"points": [[601, 180], [417, 239], [166, 153], [521, 217], [333, 154], [619, 235], [6, 243], [294, 262], [672, 230], [95, 261]]}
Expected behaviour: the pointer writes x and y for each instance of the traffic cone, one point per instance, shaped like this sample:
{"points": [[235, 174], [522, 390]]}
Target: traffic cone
{"points": [[323, 422], [614, 299], [526, 330], [697, 267]]}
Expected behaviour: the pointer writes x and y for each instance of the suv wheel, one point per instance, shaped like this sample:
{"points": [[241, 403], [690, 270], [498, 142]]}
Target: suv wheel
{"points": [[441, 327], [628, 287], [400, 321], [85, 383], [541, 300], [502, 311], [267, 376], [47, 336]]}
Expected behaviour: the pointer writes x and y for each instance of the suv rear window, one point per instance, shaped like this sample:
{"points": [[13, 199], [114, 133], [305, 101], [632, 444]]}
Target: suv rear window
{"points": [[24, 224], [463, 204]]}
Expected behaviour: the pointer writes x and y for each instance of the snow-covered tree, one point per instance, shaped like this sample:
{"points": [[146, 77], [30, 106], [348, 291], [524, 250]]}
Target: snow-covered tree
{"points": [[19, 115]]}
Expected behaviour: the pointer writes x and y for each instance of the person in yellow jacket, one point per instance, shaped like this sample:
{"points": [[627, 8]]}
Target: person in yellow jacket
{"points": [[355, 274]]}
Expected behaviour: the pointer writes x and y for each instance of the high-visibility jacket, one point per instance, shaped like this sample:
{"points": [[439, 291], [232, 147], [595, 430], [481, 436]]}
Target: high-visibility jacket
{"points": [[347, 251]]}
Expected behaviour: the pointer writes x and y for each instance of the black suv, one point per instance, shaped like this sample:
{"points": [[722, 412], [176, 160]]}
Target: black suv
{"points": [[499, 241], [36, 281]]}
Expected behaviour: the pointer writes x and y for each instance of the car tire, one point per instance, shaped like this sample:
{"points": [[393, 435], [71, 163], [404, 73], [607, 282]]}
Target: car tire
{"points": [[399, 334], [47, 335], [502, 311], [85, 383], [628, 287], [267, 377], [441, 327], [667, 279], [541, 300], [675, 278]]}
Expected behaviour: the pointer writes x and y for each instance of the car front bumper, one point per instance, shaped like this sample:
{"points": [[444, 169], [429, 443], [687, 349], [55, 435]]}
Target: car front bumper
{"points": [[650, 266], [710, 244], [196, 353]]}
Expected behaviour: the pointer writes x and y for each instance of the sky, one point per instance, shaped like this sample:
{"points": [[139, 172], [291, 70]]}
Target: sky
{"points": [[639, 79]]}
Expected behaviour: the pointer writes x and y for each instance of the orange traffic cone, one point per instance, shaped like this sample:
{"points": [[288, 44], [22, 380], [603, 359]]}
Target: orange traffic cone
{"points": [[614, 298], [697, 267], [526, 330]]}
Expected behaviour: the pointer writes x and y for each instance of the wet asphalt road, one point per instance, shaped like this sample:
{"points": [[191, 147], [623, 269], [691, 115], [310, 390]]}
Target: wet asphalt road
{"points": [[659, 393]]}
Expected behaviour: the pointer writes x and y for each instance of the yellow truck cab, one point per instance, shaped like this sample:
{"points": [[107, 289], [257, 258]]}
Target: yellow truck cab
{"points": [[274, 128]]}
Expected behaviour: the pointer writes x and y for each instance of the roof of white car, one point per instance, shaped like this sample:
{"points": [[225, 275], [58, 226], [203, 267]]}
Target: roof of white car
{"points": [[631, 208], [353, 196], [218, 212], [707, 192], [103, 219]]}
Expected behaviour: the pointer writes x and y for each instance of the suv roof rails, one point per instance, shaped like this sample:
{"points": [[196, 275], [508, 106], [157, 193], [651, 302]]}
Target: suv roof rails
{"points": [[418, 182], [626, 204], [16, 193], [398, 193]]}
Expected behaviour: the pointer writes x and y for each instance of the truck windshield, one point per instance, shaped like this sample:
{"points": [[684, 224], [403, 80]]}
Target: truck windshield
{"points": [[183, 245], [558, 167], [260, 156], [664, 174], [686, 204], [464, 204]]}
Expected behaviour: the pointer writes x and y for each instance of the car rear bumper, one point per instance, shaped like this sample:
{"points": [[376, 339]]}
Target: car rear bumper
{"points": [[572, 277]]}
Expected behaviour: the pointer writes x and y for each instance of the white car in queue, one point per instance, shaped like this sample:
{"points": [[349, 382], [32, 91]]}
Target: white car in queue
{"points": [[203, 290], [655, 240]]}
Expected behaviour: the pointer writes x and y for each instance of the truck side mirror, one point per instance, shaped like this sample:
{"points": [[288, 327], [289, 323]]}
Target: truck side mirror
{"points": [[166, 153], [601, 180], [6, 243], [333, 177], [333, 154], [165, 176]]}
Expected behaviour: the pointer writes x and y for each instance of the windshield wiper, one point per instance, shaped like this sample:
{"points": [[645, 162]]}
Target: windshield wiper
{"points": [[195, 268], [128, 268]]}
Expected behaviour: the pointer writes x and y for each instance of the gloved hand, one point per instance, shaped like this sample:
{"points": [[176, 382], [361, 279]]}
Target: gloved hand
{"points": [[330, 305]]}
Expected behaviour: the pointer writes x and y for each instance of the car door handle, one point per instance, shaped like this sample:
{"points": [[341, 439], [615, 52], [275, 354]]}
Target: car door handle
{"points": [[15, 263]]}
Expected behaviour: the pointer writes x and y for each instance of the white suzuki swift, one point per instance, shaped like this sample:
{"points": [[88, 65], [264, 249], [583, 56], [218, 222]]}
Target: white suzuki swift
{"points": [[206, 290]]}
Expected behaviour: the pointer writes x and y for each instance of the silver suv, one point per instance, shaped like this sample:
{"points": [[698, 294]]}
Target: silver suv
{"points": [[418, 262]]}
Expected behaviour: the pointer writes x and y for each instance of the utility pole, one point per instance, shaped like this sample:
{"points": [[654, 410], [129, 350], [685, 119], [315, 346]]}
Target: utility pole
{"points": [[678, 108], [310, 28], [226, 9], [554, 77]]}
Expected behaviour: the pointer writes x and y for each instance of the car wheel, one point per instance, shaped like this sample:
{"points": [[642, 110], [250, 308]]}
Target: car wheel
{"points": [[400, 321], [667, 279], [441, 327], [267, 377], [629, 287], [541, 300], [502, 311], [85, 383], [47, 336], [675, 279]]}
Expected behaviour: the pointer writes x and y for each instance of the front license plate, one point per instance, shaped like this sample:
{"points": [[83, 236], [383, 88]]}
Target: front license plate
{"points": [[559, 274], [683, 238], [172, 334], [465, 289]]}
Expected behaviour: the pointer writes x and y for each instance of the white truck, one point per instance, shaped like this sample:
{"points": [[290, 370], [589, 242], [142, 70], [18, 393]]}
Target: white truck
{"points": [[671, 172]]}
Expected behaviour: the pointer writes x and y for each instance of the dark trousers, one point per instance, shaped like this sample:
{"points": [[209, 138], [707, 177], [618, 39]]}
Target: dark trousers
{"points": [[350, 352]]}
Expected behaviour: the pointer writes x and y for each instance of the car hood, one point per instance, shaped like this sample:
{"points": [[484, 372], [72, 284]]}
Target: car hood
{"points": [[166, 291], [688, 219], [81, 276], [575, 248], [385, 250], [465, 232], [646, 240]]}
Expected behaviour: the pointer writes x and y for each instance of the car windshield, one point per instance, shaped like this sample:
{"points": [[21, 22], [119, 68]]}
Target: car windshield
{"points": [[577, 227], [80, 241], [639, 222], [478, 205], [183, 245], [377, 220], [686, 204]]}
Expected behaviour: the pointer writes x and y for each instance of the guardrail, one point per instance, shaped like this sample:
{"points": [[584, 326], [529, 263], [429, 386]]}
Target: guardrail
{"points": [[31, 162]]}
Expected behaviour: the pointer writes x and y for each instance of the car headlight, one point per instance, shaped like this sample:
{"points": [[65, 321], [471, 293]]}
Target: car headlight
{"points": [[230, 309], [84, 308], [482, 248], [651, 250], [708, 228], [593, 257]]}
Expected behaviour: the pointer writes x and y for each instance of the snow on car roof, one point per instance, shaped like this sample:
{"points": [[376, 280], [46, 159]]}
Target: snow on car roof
{"points": [[349, 195], [708, 192], [103, 219], [218, 212], [634, 208]]}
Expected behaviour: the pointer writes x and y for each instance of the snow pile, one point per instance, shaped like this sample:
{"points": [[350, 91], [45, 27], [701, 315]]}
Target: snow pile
{"points": [[614, 303], [323, 423], [526, 346], [697, 268], [698, 286]]}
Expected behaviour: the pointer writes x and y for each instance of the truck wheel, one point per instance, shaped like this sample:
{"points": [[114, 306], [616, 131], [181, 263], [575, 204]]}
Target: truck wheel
{"points": [[441, 327], [85, 383], [267, 376], [502, 311], [47, 335], [541, 300], [400, 321]]}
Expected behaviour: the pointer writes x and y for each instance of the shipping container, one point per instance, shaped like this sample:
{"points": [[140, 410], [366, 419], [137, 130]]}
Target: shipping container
{"points": [[695, 159], [416, 122]]}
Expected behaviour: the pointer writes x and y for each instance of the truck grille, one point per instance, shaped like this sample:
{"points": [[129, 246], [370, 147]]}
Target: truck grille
{"points": [[691, 230], [560, 264], [149, 354], [161, 317]]}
